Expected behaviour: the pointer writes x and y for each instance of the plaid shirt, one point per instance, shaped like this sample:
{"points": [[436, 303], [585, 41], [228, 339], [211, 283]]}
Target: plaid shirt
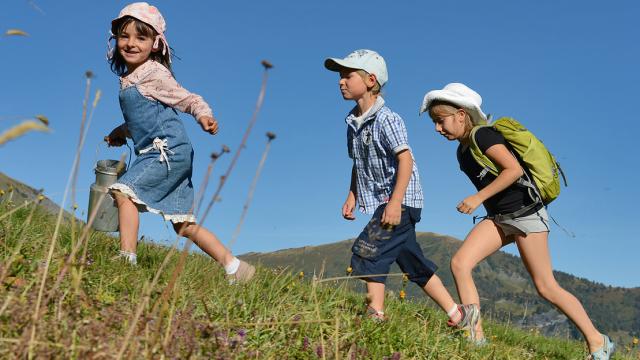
{"points": [[373, 148]]}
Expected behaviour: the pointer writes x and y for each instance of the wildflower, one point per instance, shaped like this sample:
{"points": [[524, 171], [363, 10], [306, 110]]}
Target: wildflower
{"points": [[349, 270], [319, 351], [75, 206], [301, 275], [402, 294], [405, 278], [305, 343], [1, 192], [635, 341], [10, 188], [40, 197]]}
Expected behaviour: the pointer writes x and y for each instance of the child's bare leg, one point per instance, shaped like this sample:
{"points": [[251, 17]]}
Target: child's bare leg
{"points": [[129, 222], [483, 240], [375, 295], [534, 251], [206, 241], [436, 290]]}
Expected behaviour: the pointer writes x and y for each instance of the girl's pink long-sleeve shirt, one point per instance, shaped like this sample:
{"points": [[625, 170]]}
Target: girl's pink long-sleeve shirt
{"points": [[155, 82]]}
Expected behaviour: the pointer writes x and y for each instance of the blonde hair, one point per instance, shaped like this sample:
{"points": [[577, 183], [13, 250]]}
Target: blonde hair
{"points": [[365, 75], [441, 108]]}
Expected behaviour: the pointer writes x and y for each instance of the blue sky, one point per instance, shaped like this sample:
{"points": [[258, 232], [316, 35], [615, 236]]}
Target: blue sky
{"points": [[568, 70]]}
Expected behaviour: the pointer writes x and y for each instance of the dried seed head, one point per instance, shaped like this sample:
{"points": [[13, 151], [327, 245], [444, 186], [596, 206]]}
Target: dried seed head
{"points": [[43, 119], [266, 64], [88, 74], [271, 135], [14, 32], [214, 155], [225, 149], [97, 98], [21, 129]]}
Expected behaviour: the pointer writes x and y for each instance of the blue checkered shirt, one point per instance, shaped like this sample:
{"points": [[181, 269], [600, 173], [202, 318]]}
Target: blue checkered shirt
{"points": [[373, 148]]}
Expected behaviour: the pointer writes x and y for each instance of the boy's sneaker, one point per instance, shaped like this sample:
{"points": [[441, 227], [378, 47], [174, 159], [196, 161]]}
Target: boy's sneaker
{"points": [[470, 315], [375, 315], [605, 352], [244, 273]]}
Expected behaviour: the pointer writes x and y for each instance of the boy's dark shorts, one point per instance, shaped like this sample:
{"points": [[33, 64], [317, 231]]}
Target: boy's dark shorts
{"points": [[378, 247]]}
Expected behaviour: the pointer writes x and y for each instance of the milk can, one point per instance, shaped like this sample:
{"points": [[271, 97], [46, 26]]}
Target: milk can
{"points": [[106, 219]]}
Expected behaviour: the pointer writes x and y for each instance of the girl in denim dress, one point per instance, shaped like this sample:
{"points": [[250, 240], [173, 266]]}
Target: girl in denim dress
{"points": [[159, 180]]}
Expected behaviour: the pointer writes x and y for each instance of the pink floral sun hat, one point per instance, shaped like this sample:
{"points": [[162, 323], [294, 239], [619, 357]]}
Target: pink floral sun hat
{"points": [[149, 15]]}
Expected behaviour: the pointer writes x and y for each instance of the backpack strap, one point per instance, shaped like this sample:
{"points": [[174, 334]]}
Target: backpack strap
{"points": [[482, 159], [489, 167]]}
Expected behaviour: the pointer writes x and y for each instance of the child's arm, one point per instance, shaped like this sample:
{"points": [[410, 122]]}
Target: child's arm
{"points": [[350, 203], [158, 83], [393, 210], [510, 172]]}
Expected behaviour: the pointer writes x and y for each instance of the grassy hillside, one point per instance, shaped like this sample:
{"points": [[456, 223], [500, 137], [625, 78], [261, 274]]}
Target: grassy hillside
{"points": [[95, 306], [504, 285]]}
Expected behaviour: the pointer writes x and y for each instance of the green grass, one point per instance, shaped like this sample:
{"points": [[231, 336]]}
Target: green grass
{"points": [[276, 316]]}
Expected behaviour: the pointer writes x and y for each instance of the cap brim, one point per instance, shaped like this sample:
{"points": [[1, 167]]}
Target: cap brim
{"points": [[335, 64]]}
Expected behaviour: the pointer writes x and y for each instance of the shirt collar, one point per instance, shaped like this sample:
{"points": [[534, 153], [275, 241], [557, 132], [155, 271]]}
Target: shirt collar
{"points": [[357, 121]]}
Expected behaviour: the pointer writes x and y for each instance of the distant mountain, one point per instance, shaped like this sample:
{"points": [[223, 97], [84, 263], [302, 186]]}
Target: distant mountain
{"points": [[505, 287], [17, 192]]}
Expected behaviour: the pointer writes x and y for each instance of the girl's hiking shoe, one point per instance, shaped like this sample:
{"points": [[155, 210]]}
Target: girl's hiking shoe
{"points": [[469, 320], [605, 352], [244, 273]]}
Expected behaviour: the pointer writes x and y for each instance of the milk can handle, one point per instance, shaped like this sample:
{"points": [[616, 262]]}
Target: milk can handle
{"points": [[126, 167]]}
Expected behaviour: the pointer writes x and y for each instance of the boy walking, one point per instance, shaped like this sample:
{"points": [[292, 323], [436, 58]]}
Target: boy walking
{"points": [[385, 183]]}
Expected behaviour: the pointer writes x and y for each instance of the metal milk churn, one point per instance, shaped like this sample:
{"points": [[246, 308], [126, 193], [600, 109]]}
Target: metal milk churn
{"points": [[106, 219]]}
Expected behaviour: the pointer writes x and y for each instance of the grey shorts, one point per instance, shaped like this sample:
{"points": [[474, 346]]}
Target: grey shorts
{"points": [[536, 222]]}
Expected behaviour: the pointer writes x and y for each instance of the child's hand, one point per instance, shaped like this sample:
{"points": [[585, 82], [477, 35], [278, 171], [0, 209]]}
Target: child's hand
{"points": [[392, 213], [117, 137], [347, 208], [470, 204], [208, 124]]}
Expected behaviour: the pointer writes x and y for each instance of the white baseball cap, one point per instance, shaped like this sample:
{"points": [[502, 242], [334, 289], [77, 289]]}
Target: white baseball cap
{"points": [[457, 94], [363, 59]]}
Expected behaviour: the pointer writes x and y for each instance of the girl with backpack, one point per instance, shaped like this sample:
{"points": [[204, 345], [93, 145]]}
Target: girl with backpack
{"points": [[513, 215]]}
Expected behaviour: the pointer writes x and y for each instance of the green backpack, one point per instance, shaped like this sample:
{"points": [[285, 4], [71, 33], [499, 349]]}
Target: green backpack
{"points": [[542, 166]]}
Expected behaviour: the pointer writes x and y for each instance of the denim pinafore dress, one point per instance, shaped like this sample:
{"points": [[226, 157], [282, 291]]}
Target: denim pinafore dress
{"points": [[159, 180]]}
